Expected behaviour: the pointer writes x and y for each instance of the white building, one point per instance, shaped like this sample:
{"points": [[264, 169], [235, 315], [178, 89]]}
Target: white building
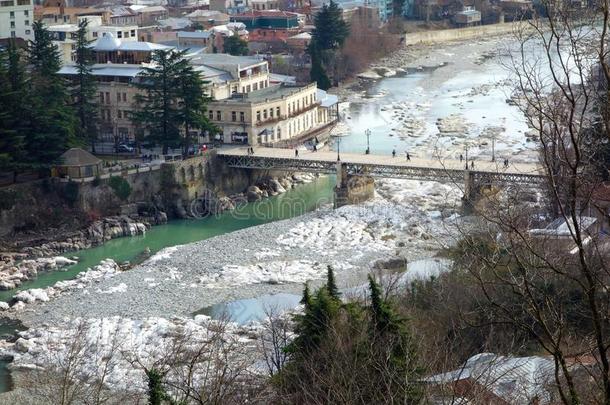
{"points": [[16, 18]]}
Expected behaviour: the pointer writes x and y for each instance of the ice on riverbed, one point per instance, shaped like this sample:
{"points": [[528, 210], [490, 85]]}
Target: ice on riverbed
{"points": [[117, 349], [163, 254]]}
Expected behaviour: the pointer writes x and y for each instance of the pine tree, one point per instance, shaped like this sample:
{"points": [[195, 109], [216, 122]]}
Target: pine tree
{"points": [[192, 104], [85, 88], [156, 392], [306, 300], [331, 284], [391, 338], [330, 30], [11, 97], [52, 121], [157, 108], [317, 72]]}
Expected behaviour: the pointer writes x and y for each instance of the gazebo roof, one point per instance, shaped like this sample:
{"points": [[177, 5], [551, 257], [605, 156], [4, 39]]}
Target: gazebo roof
{"points": [[78, 157]]}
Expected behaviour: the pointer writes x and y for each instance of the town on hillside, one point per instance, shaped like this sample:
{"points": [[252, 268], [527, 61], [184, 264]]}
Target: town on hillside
{"points": [[304, 202]]}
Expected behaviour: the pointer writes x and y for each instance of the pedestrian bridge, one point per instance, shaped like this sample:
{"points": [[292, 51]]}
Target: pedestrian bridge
{"points": [[484, 172]]}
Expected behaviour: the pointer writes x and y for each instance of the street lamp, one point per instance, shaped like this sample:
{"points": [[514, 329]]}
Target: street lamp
{"points": [[466, 147], [493, 148], [368, 146], [338, 149]]}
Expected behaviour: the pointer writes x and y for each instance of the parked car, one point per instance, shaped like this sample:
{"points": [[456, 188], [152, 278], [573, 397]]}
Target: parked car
{"points": [[123, 148]]}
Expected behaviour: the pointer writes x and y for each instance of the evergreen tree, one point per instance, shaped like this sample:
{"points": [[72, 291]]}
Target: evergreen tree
{"points": [[331, 284], [12, 120], [156, 392], [85, 87], [192, 104], [306, 300], [234, 45], [317, 72], [52, 121], [392, 340], [157, 108], [330, 30]]}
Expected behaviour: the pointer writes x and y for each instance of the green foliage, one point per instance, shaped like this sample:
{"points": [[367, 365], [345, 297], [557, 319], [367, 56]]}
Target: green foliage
{"points": [[71, 192], [332, 337], [156, 392], [172, 100], [331, 284], [330, 30], [234, 45], [84, 87], [120, 186], [317, 72]]}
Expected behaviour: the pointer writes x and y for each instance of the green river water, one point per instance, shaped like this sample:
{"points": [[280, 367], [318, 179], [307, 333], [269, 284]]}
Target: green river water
{"points": [[297, 201]]}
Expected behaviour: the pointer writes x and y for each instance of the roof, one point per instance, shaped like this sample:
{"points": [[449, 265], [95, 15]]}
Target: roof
{"points": [[325, 99], [105, 70], [78, 157], [268, 93], [268, 13], [63, 28], [224, 60], [302, 35], [514, 379], [109, 43], [212, 14], [152, 9], [559, 227], [194, 34], [278, 78], [175, 23]]}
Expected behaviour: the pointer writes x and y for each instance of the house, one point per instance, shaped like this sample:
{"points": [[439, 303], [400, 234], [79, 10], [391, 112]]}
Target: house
{"points": [[77, 163], [208, 18], [269, 26], [299, 43], [488, 378], [559, 234], [467, 17], [264, 5]]}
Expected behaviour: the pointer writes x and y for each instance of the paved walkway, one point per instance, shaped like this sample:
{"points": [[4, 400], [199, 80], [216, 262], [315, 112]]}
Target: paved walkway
{"points": [[384, 160]]}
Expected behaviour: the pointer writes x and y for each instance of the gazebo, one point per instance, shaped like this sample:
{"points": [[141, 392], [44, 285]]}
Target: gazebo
{"points": [[78, 163]]}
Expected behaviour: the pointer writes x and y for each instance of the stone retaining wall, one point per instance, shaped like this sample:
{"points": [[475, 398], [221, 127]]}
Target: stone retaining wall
{"points": [[481, 31]]}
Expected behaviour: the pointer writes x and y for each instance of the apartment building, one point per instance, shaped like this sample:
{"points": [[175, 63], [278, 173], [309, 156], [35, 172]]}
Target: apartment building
{"points": [[275, 114], [245, 107], [16, 17]]}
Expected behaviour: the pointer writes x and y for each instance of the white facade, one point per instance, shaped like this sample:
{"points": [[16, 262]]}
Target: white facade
{"points": [[16, 18]]}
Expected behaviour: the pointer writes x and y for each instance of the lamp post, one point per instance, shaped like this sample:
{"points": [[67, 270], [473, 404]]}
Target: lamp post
{"points": [[338, 149], [466, 153], [368, 146], [493, 148]]}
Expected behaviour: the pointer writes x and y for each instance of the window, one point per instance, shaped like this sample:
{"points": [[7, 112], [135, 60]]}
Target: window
{"points": [[26, 12], [258, 116], [255, 86], [279, 133], [248, 89], [101, 97], [119, 34], [65, 18], [27, 22], [126, 34], [211, 114], [28, 32], [242, 117], [271, 112], [7, 3], [118, 97], [265, 114], [107, 98], [262, 85], [23, 2], [218, 116], [277, 111], [133, 33], [233, 116], [12, 24], [298, 104], [12, 15], [124, 97], [13, 34], [119, 114]]}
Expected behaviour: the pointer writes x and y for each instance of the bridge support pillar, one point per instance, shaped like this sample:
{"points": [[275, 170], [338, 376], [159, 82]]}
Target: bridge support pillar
{"points": [[470, 192], [352, 189]]}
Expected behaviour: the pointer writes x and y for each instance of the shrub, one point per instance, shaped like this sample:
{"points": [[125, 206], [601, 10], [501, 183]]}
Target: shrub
{"points": [[121, 187], [71, 192]]}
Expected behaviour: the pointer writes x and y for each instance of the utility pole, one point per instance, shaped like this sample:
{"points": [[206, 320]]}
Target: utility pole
{"points": [[368, 146], [338, 149], [493, 148], [466, 147]]}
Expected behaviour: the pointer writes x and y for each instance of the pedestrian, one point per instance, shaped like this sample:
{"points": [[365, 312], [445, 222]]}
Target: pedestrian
{"points": [[296, 153], [393, 153], [252, 150], [315, 148], [408, 157], [461, 158], [472, 165]]}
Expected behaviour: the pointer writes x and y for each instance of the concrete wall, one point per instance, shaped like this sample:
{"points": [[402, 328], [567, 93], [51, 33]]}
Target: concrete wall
{"points": [[431, 37]]}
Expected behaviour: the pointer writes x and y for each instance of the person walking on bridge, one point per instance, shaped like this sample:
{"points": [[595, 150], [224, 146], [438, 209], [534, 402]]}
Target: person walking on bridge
{"points": [[408, 156], [393, 153], [296, 153], [472, 165], [461, 158]]}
